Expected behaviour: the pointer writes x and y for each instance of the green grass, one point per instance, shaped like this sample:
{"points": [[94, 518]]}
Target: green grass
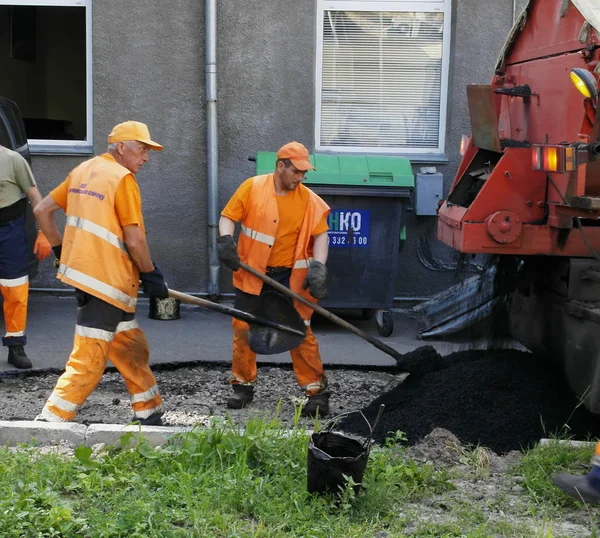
{"points": [[215, 482], [218, 482]]}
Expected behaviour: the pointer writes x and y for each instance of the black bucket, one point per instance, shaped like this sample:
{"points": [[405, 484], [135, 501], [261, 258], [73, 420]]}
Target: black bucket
{"points": [[164, 309], [331, 455]]}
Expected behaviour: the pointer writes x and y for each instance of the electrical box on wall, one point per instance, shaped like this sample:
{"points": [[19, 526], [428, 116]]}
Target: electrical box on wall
{"points": [[429, 186]]}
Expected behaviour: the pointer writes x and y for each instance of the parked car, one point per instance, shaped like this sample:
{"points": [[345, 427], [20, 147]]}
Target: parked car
{"points": [[13, 136]]}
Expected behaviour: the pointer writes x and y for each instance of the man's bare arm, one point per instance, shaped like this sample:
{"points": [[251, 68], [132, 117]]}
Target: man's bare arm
{"points": [[226, 226], [321, 247], [44, 211], [138, 248]]}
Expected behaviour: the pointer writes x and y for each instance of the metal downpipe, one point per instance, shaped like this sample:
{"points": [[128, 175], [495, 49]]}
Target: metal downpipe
{"points": [[212, 146]]}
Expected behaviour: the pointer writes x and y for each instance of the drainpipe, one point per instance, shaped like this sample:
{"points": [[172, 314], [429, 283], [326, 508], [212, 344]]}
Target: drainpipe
{"points": [[212, 148]]}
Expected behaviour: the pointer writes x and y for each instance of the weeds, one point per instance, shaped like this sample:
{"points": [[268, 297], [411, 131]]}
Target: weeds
{"points": [[221, 482]]}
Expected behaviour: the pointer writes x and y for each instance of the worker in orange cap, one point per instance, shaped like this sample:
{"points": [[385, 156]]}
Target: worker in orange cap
{"points": [[17, 185], [283, 234], [584, 488], [104, 255]]}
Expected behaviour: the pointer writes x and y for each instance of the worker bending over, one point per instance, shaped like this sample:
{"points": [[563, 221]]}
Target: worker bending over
{"points": [[284, 235], [104, 255]]}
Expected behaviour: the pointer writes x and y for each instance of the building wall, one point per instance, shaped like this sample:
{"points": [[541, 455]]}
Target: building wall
{"points": [[151, 68]]}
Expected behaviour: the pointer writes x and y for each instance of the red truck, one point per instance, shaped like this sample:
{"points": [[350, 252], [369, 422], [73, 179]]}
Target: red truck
{"points": [[528, 187]]}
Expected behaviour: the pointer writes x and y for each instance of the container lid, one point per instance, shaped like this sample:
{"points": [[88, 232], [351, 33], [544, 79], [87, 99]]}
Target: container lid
{"points": [[350, 170]]}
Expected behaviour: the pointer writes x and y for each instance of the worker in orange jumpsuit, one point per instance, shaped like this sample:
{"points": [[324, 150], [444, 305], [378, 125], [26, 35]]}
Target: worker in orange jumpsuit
{"points": [[284, 235], [104, 255], [16, 186], [585, 488]]}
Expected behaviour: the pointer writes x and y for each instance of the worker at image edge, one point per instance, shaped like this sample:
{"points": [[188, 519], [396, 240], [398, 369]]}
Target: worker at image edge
{"points": [[585, 488], [17, 186]]}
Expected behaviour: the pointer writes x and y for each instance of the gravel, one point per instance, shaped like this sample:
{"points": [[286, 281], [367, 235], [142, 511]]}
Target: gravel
{"points": [[191, 394], [504, 400]]}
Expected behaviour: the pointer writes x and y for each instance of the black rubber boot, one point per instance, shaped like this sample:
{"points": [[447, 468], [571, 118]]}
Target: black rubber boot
{"points": [[318, 404], [18, 358], [583, 488], [242, 396], [155, 419]]}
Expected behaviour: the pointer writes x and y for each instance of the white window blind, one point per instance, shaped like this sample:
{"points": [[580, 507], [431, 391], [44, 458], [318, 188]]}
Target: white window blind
{"points": [[382, 79]]}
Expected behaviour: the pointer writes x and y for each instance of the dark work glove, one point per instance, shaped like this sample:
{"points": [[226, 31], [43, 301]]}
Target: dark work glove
{"points": [[57, 252], [316, 280], [153, 284], [228, 252]]}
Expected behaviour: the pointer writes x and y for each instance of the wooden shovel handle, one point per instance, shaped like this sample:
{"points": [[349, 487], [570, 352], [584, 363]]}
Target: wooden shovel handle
{"points": [[325, 313]]}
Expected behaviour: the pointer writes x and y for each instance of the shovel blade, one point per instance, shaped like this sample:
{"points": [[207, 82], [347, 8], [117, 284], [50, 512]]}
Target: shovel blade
{"points": [[269, 341]]}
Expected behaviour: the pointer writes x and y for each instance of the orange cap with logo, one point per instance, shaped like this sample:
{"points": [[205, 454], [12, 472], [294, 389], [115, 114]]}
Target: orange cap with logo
{"points": [[133, 130], [297, 153]]}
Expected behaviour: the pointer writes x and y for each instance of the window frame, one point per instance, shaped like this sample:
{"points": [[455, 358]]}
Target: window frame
{"points": [[68, 147], [435, 6]]}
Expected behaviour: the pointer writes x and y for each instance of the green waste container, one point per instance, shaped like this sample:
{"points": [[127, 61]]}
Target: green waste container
{"points": [[368, 196]]}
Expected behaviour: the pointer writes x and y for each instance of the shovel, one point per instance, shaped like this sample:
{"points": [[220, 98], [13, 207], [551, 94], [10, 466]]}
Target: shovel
{"points": [[265, 336], [408, 363]]}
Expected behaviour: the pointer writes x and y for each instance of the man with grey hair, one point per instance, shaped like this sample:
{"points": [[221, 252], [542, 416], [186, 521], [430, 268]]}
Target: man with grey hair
{"points": [[104, 255]]}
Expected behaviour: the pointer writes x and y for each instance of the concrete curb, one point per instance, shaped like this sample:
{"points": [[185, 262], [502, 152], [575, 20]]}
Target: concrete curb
{"points": [[566, 442], [17, 432]]}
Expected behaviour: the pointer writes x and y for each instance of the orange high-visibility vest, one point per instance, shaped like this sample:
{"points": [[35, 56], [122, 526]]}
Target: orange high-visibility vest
{"points": [[94, 256], [259, 229]]}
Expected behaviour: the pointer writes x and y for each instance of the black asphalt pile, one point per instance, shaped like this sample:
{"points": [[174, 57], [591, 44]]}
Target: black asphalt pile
{"points": [[504, 400]]}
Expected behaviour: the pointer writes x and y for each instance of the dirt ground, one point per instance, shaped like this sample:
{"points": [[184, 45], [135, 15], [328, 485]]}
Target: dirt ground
{"points": [[503, 401], [192, 394]]}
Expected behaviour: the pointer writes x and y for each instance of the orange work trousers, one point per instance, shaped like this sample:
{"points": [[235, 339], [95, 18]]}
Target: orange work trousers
{"points": [[103, 333], [14, 282], [15, 292], [306, 358]]}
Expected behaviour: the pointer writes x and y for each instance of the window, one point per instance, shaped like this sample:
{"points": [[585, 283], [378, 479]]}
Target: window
{"points": [[46, 68], [382, 76]]}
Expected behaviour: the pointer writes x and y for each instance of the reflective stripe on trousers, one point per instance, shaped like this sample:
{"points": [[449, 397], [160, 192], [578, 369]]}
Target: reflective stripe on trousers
{"points": [[104, 333], [306, 360], [14, 282], [16, 296]]}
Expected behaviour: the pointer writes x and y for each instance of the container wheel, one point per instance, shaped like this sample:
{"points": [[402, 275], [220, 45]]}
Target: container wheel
{"points": [[385, 322]]}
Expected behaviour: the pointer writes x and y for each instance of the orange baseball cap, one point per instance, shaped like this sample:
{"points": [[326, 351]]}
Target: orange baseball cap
{"points": [[297, 153], [132, 130]]}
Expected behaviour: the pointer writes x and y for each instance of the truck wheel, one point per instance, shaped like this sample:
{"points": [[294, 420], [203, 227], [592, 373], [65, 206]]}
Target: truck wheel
{"points": [[385, 322]]}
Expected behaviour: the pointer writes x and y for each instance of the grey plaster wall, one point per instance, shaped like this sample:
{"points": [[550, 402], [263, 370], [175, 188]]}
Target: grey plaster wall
{"points": [[151, 68]]}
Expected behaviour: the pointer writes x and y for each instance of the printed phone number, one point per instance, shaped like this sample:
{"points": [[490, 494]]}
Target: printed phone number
{"points": [[345, 240]]}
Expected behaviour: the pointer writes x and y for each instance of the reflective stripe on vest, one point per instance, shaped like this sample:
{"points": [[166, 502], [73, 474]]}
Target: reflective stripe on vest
{"points": [[98, 231], [303, 264], [99, 286], [14, 282], [258, 236]]}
